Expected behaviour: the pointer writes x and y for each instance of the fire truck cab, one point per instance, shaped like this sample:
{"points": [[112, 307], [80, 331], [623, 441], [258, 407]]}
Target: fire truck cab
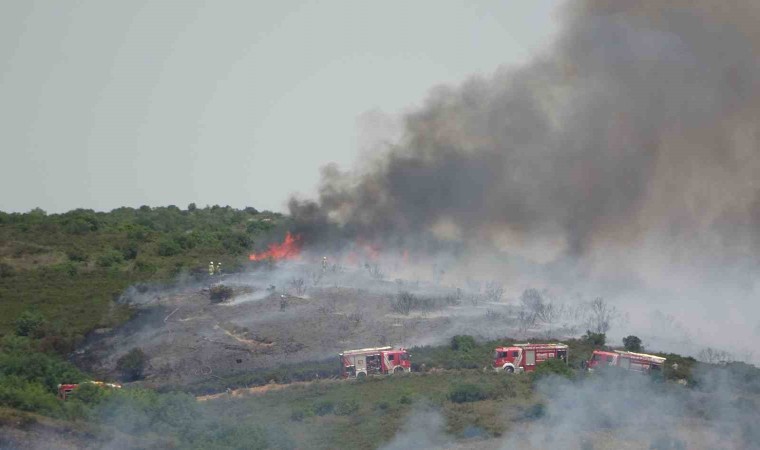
{"points": [[525, 357], [634, 362], [66, 390], [371, 361]]}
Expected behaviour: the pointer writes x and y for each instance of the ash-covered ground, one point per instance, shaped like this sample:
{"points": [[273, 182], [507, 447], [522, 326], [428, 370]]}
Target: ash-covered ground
{"points": [[295, 311], [290, 313]]}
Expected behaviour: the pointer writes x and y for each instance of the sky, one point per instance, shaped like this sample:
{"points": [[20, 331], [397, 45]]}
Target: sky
{"points": [[108, 103]]}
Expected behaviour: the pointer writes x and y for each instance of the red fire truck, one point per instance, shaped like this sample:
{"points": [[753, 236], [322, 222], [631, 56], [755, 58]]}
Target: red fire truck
{"points": [[370, 361], [525, 357], [634, 362], [65, 390]]}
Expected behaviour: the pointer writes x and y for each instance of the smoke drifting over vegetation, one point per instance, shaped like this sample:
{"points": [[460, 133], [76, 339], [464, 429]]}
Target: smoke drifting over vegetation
{"points": [[598, 411], [628, 151], [640, 124]]}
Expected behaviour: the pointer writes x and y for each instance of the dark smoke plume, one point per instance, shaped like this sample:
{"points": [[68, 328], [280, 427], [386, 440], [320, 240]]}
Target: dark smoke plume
{"points": [[640, 126]]}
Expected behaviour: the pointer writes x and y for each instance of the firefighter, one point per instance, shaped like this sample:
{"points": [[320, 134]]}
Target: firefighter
{"points": [[283, 302], [211, 268], [324, 264], [219, 269]]}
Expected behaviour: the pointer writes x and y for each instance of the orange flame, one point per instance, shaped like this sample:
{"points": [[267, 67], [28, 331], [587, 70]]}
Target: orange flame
{"points": [[289, 249]]}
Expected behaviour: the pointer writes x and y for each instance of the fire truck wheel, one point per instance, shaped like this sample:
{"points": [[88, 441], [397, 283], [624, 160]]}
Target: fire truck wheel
{"points": [[509, 369], [361, 375], [398, 370]]}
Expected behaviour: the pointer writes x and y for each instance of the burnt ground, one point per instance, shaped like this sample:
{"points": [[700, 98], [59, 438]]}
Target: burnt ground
{"points": [[188, 338]]}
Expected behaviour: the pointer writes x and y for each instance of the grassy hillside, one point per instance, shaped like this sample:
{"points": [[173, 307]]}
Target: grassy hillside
{"points": [[71, 267]]}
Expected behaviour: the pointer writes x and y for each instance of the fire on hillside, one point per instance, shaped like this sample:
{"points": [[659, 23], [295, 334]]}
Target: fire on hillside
{"points": [[289, 249]]}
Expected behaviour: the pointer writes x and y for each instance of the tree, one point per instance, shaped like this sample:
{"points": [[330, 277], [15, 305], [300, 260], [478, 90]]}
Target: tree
{"points": [[192, 207], [132, 365], [601, 315], [713, 355], [632, 343], [494, 291]]}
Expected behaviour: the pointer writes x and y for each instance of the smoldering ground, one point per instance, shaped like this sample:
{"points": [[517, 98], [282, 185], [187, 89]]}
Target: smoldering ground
{"points": [[286, 314], [623, 159]]}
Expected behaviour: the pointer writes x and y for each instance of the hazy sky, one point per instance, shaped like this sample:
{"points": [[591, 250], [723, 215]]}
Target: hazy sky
{"points": [[124, 103]]}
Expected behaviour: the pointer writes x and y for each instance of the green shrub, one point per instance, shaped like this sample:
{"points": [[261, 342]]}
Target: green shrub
{"points": [[48, 370], [169, 247], [69, 268], [29, 323], [129, 251], [324, 408], [145, 267], [595, 339], [110, 259], [90, 393], [463, 343], [132, 365], [298, 415], [16, 392], [553, 366], [465, 393], [347, 408], [236, 243]]}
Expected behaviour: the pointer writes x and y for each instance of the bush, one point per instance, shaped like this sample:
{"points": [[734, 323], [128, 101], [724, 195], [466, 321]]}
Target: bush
{"points": [[29, 323], [129, 251], [553, 366], [27, 396], [347, 408], [463, 343], [39, 368], [595, 339], [298, 415], [132, 365], [90, 393], [219, 293], [465, 393], [236, 243], [632, 343], [110, 258], [324, 408], [145, 267], [169, 247]]}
